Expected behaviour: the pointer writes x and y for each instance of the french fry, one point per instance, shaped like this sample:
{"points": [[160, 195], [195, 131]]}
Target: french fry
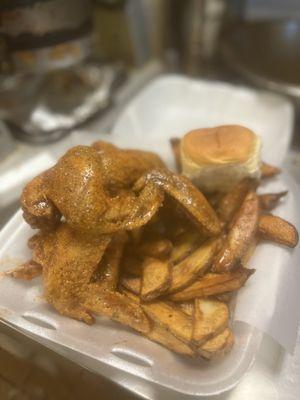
{"points": [[162, 336], [133, 284], [249, 252], [269, 201], [231, 201], [183, 246], [268, 171], [193, 266], [175, 145], [119, 308], [159, 248], [187, 307], [210, 318], [217, 346], [156, 278], [26, 271], [240, 235], [276, 229], [214, 284], [171, 318]]}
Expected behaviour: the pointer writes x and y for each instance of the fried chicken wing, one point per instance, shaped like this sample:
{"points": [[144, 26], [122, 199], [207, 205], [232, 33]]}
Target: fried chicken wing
{"points": [[78, 187], [95, 190]]}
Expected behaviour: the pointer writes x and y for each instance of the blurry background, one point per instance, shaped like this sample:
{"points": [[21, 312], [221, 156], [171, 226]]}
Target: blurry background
{"points": [[74, 64]]}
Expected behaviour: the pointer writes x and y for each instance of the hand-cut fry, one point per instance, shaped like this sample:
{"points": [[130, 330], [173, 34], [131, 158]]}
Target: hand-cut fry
{"points": [[161, 335], [217, 346], [240, 235], [249, 252], [133, 284], [187, 307], [268, 171], [175, 145], [214, 284], [120, 308], [156, 278], [159, 248], [171, 318], [269, 201], [193, 266], [27, 271], [231, 201], [210, 318], [183, 246], [277, 230]]}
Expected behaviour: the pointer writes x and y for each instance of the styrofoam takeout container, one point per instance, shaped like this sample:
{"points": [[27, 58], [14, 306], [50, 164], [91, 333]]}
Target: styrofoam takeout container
{"points": [[169, 106]]}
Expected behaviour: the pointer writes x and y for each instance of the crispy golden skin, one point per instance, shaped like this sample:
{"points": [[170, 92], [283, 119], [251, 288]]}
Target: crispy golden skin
{"points": [[276, 229], [69, 260], [38, 210], [74, 285], [240, 235], [121, 168], [91, 192]]}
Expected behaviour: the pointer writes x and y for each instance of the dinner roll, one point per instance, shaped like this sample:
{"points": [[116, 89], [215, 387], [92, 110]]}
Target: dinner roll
{"points": [[215, 159]]}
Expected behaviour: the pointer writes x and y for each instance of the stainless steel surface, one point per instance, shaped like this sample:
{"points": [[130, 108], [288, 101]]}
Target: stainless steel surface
{"points": [[267, 54]]}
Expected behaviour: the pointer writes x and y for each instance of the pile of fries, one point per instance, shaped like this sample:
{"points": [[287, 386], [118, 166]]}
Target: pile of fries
{"points": [[184, 283], [167, 279]]}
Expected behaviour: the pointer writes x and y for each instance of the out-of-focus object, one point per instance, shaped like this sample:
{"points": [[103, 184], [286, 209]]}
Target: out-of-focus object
{"points": [[121, 31], [202, 24], [39, 35], [267, 54], [6, 143], [65, 99]]}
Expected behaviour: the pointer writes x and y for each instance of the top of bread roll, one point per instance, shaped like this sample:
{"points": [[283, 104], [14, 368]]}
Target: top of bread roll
{"points": [[220, 145]]}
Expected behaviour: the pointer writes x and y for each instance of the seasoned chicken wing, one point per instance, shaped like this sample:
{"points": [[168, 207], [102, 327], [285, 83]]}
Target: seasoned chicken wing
{"points": [[94, 189]]}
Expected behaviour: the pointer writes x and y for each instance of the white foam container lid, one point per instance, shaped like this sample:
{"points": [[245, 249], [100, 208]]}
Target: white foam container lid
{"points": [[169, 106]]}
